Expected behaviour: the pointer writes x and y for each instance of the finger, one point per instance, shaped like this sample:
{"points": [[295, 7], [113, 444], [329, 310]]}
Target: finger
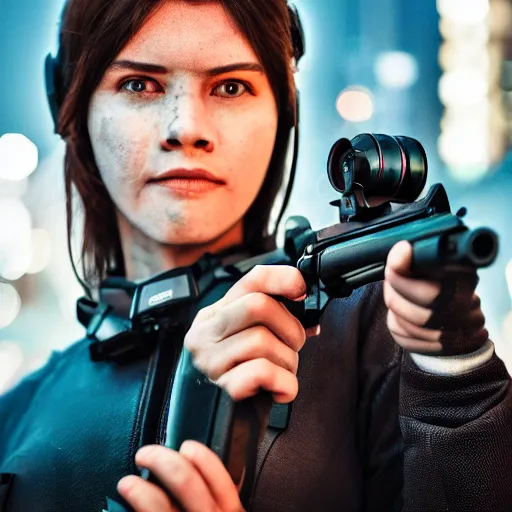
{"points": [[143, 496], [417, 291], [178, 476], [214, 474], [281, 280], [475, 320], [248, 378], [253, 343], [313, 331], [417, 346], [400, 258], [245, 312], [464, 320], [401, 327], [405, 309], [457, 295]]}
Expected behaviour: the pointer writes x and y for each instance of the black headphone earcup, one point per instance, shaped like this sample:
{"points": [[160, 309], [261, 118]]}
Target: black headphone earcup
{"points": [[297, 33], [52, 88]]}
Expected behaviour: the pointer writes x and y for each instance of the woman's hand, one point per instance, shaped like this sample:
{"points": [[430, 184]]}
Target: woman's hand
{"points": [[248, 341], [195, 478], [438, 317]]}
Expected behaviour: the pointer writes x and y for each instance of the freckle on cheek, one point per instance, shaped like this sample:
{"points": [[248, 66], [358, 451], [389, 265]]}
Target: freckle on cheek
{"points": [[108, 135]]}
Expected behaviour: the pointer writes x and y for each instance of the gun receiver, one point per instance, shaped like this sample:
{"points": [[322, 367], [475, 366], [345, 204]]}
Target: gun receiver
{"points": [[343, 257]]}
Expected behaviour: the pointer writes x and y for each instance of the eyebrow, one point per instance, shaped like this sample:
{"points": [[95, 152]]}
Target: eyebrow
{"points": [[242, 66], [157, 69]]}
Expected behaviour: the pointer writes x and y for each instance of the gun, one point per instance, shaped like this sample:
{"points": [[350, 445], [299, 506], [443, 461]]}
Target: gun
{"points": [[379, 179]]}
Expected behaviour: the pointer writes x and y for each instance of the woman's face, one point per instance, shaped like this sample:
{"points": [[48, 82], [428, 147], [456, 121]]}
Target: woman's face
{"points": [[183, 125]]}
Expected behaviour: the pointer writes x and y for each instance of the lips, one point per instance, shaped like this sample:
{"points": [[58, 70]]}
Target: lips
{"points": [[187, 182], [188, 174]]}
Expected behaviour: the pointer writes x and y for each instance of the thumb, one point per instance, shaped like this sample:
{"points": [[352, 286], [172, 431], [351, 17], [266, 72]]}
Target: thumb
{"points": [[400, 258]]}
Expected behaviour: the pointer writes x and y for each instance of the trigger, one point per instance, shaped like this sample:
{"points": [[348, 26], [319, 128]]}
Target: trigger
{"points": [[314, 306]]}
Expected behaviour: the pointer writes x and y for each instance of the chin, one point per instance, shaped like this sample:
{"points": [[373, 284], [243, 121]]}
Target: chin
{"points": [[189, 237]]}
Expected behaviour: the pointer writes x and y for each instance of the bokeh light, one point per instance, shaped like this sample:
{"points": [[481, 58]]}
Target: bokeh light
{"points": [[15, 239], [396, 70], [41, 251], [464, 87], [355, 104], [10, 188], [474, 128], [11, 359], [464, 56], [465, 12], [10, 304], [474, 34], [18, 157], [465, 149]]}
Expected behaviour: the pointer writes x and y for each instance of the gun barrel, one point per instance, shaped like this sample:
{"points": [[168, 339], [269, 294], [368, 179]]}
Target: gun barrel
{"points": [[477, 248], [438, 241]]}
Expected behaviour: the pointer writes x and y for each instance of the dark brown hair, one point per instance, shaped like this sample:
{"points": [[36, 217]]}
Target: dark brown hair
{"points": [[92, 34]]}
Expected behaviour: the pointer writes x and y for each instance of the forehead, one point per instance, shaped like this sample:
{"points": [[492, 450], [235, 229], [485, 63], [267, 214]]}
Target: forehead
{"points": [[189, 35]]}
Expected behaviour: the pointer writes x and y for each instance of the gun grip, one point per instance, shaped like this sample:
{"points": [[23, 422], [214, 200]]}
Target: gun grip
{"points": [[236, 437]]}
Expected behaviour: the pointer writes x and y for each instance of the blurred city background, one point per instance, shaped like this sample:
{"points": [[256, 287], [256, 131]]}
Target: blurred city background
{"points": [[439, 72]]}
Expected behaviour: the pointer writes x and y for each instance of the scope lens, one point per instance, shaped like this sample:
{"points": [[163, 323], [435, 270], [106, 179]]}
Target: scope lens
{"points": [[385, 167], [340, 152]]}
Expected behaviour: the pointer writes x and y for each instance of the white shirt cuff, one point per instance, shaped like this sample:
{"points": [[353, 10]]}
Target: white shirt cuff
{"points": [[454, 365]]}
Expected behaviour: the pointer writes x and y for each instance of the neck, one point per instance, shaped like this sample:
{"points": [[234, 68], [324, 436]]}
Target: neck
{"points": [[145, 257]]}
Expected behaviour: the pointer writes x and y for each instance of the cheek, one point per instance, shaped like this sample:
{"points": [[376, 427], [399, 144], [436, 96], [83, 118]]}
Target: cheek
{"points": [[249, 149], [120, 146]]}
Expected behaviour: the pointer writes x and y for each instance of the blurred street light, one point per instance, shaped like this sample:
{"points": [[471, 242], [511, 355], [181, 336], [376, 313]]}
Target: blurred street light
{"points": [[396, 70], [466, 12], [15, 239], [10, 304], [355, 104], [18, 157], [41, 251]]}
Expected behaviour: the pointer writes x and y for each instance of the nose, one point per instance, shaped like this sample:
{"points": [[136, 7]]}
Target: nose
{"points": [[187, 125]]}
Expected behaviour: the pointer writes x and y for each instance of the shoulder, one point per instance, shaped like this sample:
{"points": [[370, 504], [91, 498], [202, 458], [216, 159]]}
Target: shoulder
{"points": [[15, 401], [56, 359]]}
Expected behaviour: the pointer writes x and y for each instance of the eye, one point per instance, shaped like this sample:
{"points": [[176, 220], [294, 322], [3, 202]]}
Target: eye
{"points": [[231, 89], [141, 86]]}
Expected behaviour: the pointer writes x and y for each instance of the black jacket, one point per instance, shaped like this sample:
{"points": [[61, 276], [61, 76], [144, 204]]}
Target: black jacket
{"points": [[368, 430]]}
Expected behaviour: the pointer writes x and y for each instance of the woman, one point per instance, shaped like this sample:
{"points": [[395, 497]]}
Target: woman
{"points": [[176, 117]]}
